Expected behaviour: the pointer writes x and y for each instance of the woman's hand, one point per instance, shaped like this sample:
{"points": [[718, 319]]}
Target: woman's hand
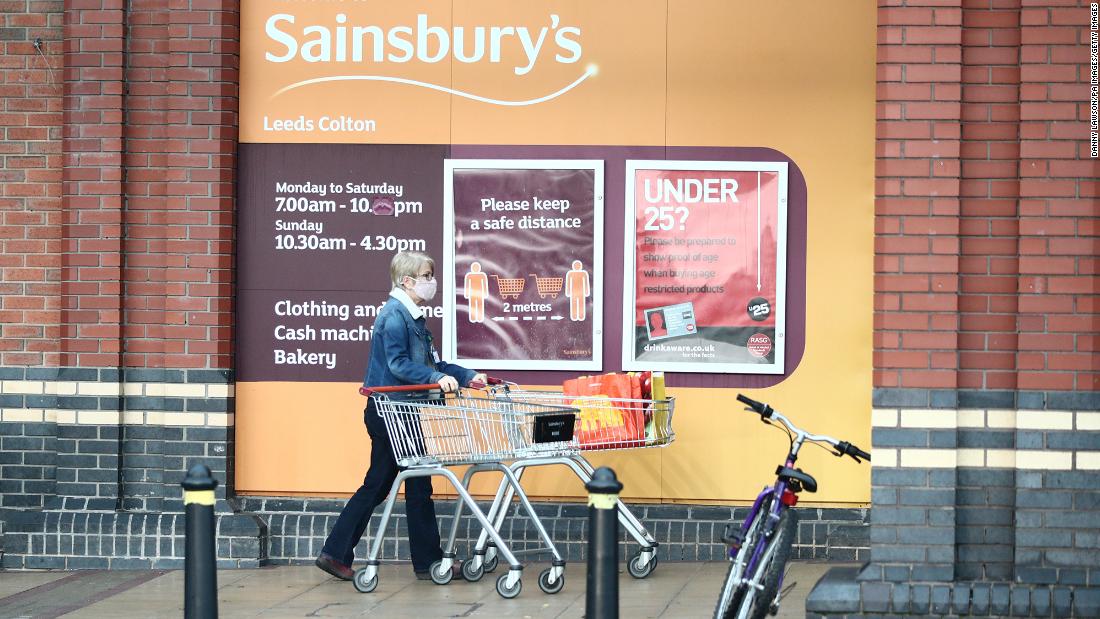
{"points": [[448, 384], [481, 378]]}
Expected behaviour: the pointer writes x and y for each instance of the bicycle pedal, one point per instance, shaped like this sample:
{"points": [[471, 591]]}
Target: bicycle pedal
{"points": [[733, 535]]}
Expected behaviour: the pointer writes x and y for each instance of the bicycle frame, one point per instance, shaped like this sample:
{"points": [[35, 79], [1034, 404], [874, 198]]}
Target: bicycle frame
{"points": [[753, 550], [776, 508], [777, 505]]}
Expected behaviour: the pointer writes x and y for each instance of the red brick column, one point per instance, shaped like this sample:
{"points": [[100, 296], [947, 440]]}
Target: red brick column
{"points": [[92, 184], [918, 193], [30, 181], [989, 223], [986, 201], [985, 291], [1059, 202], [151, 101]]}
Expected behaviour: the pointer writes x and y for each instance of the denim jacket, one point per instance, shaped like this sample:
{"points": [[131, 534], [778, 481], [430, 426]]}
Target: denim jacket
{"points": [[402, 352]]}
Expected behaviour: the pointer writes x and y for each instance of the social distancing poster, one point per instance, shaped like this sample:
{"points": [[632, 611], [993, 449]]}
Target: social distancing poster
{"points": [[604, 187], [523, 263]]}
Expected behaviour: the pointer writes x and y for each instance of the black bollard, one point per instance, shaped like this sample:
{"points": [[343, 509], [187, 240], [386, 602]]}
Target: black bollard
{"points": [[602, 597], [200, 588]]}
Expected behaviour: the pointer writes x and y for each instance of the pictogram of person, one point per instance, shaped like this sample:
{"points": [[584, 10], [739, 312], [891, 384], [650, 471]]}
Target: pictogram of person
{"points": [[657, 324], [476, 288], [578, 291]]}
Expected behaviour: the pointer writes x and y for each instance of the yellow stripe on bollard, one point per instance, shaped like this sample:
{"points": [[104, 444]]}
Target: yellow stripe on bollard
{"points": [[198, 497], [603, 501]]}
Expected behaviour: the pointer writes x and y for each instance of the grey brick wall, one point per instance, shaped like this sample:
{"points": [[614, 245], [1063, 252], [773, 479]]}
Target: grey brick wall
{"points": [[1057, 536], [985, 524], [913, 530], [112, 488], [984, 504], [120, 540], [76, 492], [28, 464], [297, 529]]}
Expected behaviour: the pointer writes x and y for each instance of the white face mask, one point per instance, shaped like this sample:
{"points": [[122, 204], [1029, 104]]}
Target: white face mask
{"points": [[425, 289]]}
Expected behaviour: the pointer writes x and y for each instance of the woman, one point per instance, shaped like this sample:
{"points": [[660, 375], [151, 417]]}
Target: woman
{"points": [[401, 353]]}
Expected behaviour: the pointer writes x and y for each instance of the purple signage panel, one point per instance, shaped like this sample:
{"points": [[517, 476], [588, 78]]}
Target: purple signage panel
{"points": [[523, 263], [318, 226]]}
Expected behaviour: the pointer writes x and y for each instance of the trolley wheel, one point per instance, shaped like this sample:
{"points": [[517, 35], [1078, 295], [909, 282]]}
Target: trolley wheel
{"points": [[470, 573], [489, 564], [637, 570], [362, 585], [440, 577], [503, 589], [544, 581]]}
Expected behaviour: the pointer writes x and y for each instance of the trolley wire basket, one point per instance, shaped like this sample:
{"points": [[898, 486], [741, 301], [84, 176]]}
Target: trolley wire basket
{"points": [[509, 286], [462, 429], [604, 422]]}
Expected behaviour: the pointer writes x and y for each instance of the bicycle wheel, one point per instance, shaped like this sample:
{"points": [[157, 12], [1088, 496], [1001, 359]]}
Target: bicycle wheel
{"points": [[770, 571], [729, 600]]}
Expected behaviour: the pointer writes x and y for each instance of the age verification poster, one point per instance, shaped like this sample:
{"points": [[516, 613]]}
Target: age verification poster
{"points": [[523, 263], [705, 256]]}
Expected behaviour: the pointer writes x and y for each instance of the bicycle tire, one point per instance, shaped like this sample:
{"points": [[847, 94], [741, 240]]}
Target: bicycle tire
{"points": [[745, 552], [772, 570]]}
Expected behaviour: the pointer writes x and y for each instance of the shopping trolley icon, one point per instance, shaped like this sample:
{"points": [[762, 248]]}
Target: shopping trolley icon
{"points": [[548, 286], [509, 287]]}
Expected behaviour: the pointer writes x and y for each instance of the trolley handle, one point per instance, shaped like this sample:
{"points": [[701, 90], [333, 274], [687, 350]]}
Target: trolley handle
{"points": [[489, 380], [369, 391]]}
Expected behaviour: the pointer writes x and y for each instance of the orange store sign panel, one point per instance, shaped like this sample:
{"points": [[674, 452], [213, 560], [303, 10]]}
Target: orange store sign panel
{"points": [[437, 72]]}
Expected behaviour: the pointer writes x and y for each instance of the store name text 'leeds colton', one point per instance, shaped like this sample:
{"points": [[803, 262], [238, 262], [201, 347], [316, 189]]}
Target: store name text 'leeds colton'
{"points": [[340, 42]]}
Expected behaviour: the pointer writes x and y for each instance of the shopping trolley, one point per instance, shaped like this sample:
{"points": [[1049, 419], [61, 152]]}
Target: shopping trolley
{"points": [[548, 286], [429, 431], [509, 286], [657, 433]]}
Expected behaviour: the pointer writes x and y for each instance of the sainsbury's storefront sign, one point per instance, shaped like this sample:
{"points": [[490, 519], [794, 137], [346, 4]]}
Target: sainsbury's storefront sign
{"points": [[345, 42]]}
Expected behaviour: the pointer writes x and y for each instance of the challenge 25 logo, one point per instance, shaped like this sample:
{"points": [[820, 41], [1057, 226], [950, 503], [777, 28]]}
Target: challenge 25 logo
{"points": [[759, 309], [344, 42]]}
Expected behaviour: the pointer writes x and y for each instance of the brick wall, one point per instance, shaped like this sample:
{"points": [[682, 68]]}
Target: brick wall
{"points": [[30, 172], [150, 117], [986, 448], [116, 276]]}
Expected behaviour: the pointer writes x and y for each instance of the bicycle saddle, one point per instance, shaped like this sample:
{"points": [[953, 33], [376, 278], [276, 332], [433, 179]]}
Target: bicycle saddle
{"points": [[797, 479]]}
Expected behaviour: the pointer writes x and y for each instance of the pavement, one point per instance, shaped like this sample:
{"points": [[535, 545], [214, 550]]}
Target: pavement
{"points": [[673, 590]]}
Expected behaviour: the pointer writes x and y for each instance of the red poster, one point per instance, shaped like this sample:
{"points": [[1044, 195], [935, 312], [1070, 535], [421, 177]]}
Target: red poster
{"points": [[706, 256], [524, 263]]}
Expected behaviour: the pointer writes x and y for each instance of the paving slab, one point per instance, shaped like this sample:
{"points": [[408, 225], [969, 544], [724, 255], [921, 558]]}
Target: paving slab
{"points": [[674, 590]]}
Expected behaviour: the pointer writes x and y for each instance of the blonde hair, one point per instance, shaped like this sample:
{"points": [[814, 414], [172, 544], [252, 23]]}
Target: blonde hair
{"points": [[407, 264]]}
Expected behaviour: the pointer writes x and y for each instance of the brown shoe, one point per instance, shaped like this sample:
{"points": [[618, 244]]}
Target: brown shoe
{"points": [[334, 567]]}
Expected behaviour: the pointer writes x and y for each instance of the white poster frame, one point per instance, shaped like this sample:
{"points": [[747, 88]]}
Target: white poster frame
{"points": [[629, 363], [450, 308]]}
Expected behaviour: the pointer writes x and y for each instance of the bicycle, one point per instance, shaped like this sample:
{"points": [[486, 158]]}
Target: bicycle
{"points": [[760, 547]]}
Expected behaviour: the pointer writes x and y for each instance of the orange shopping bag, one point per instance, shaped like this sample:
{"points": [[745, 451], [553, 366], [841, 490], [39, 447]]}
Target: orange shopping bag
{"points": [[607, 418]]}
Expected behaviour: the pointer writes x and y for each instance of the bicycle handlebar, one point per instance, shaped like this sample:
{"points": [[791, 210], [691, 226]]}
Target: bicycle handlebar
{"points": [[844, 448], [762, 409]]}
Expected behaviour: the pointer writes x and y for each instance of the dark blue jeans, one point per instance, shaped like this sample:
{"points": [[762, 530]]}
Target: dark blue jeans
{"points": [[419, 508]]}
